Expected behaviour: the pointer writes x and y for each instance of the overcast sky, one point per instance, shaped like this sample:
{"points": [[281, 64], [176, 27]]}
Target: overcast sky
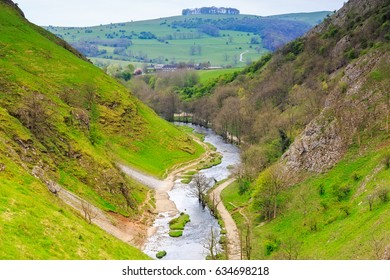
{"points": [[95, 12]]}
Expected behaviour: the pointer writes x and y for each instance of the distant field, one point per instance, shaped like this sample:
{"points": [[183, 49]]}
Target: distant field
{"points": [[162, 41], [206, 75]]}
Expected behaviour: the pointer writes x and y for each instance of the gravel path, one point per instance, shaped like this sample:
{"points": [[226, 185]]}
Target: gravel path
{"points": [[233, 237]]}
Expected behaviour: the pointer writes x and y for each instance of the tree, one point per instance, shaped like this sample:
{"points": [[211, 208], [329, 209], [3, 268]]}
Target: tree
{"points": [[213, 205], [370, 200], [200, 185], [211, 244], [33, 114], [271, 184], [378, 244], [89, 213], [291, 248], [255, 40], [235, 59]]}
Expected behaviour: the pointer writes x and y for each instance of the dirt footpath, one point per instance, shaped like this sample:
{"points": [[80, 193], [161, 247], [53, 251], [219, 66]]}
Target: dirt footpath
{"points": [[233, 237]]}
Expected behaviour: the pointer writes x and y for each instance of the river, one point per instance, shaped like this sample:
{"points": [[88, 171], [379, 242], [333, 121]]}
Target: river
{"points": [[190, 246]]}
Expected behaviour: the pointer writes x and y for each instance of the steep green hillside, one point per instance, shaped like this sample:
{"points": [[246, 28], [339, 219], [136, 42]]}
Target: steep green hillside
{"points": [[63, 120], [314, 123], [218, 39]]}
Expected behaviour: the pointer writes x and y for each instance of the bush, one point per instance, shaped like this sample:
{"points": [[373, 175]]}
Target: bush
{"points": [[175, 233], [243, 186], [321, 189], [386, 161], [356, 176], [161, 254], [383, 194], [271, 244], [342, 193]]}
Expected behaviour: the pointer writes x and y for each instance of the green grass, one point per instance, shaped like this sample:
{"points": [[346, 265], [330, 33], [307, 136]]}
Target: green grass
{"points": [[34, 224], [323, 225], [206, 75], [177, 225], [80, 157], [219, 51]]}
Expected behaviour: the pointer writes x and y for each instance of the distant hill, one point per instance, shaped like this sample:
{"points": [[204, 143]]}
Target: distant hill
{"points": [[217, 38]]}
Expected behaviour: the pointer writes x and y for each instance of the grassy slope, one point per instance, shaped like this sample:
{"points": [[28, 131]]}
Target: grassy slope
{"points": [[310, 18], [81, 159], [336, 223], [35, 224], [215, 50], [319, 225]]}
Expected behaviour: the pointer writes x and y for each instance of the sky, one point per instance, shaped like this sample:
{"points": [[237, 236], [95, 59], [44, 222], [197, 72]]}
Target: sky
{"points": [[95, 12]]}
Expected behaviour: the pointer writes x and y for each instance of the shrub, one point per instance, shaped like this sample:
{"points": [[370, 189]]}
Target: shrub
{"points": [[386, 161], [161, 254], [342, 193], [383, 194], [270, 247], [356, 176], [321, 189]]}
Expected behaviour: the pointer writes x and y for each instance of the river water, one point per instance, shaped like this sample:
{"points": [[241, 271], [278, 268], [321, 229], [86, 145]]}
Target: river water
{"points": [[190, 246]]}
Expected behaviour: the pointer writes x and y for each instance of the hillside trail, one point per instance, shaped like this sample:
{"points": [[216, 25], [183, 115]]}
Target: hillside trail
{"points": [[242, 55], [131, 232], [233, 237]]}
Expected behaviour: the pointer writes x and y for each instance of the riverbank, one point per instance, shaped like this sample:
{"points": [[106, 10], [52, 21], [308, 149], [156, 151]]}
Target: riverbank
{"points": [[173, 195], [162, 187]]}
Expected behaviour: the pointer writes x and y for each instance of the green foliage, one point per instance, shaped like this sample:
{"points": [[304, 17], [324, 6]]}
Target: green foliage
{"points": [[321, 189], [256, 66], [331, 32], [271, 244], [161, 254], [351, 54], [341, 193], [244, 186], [383, 194]]}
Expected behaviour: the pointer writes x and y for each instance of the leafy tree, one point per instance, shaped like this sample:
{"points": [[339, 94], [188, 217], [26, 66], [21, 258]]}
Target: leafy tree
{"points": [[270, 186]]}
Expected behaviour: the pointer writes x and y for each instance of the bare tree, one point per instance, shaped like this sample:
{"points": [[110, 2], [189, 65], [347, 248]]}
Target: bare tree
{"points": [[378, 245], [213, 205], [291, 248], [248, 242], [370, 200], [212, 244], [33, 115], [89, 213], [200, 185]]}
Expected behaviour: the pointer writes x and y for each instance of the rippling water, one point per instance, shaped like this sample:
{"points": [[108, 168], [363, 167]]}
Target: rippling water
{"points": [[190, 246]]}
